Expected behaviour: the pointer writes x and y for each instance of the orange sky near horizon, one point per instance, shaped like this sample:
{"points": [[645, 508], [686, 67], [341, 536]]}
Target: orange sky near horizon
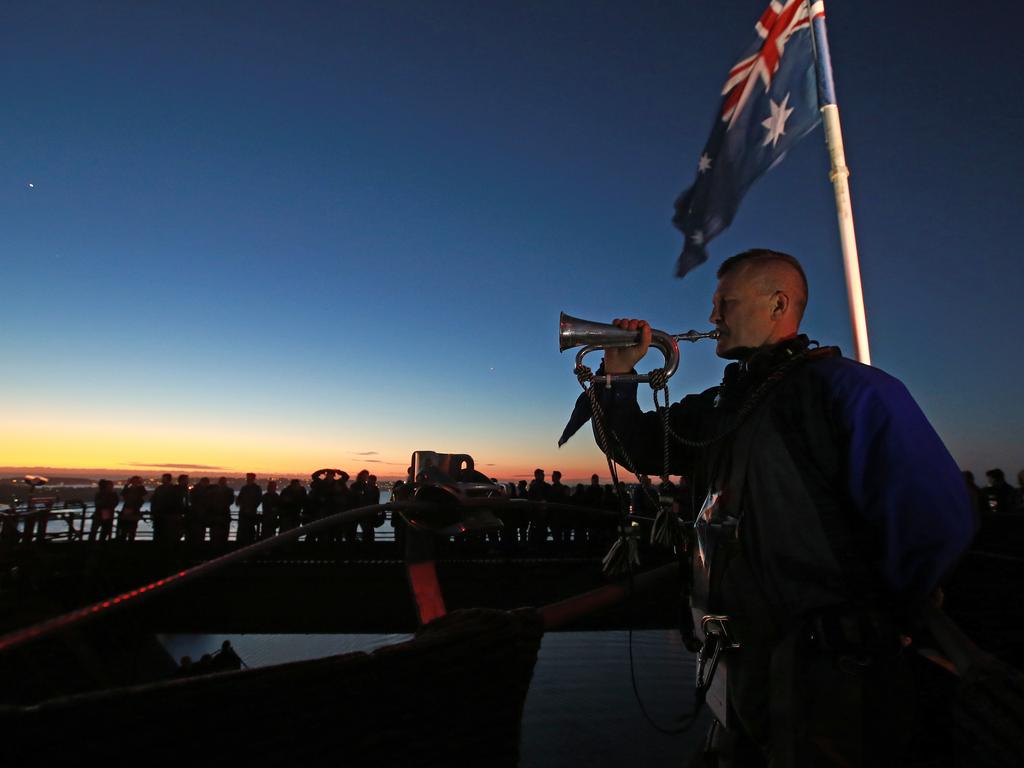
{"points": [[62, 443]]}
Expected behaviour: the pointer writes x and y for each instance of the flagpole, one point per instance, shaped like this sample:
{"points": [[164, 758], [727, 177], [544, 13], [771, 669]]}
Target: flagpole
{"points": [[839, 175]]}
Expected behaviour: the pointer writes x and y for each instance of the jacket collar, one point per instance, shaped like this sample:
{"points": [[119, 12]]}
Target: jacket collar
{"points": [[740, 376]]}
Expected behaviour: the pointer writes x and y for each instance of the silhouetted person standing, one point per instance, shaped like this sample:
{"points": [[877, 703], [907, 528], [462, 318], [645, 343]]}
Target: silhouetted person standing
{"points": [[133, 495], [293, 500], [163, 508], [270, 503], [539, 491], [103, 516], [595, 501], [320, 501], [344, 499], [347, 497], [999, 493], [226, 659], [684, 499], [249, 497], [371, 496], [558, 494], [222, 497], [200, 510], [184, 507]]}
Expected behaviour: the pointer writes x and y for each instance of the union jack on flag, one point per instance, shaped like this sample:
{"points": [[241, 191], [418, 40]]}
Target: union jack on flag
{"points": [[769, 102]]}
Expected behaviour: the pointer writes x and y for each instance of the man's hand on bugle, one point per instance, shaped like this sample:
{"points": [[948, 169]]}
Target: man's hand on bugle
{"points": [[623, 359]]}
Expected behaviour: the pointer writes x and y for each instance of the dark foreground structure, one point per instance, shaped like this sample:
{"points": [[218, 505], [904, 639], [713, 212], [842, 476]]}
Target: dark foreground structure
{"points": [[454, 695], [106, 690]]}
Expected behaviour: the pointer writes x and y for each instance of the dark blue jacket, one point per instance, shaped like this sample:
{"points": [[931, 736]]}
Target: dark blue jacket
{"points": [[846, 480]]}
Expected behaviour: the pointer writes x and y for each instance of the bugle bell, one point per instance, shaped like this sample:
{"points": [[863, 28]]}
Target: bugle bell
{"points": [[574, 332]]}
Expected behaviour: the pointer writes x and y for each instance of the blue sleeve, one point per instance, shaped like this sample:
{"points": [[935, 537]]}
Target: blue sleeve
{"points": [[901, 479]]}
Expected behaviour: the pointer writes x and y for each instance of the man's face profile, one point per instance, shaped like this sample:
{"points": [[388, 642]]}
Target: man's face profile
{"points": [[753, 306]]}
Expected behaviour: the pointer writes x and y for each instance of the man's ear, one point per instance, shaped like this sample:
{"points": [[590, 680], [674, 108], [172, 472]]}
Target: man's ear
{"points": [[780, 304]]}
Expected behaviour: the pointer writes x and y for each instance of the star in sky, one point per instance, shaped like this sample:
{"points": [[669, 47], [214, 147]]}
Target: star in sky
{"points": [[704, 164], [776, 124]]}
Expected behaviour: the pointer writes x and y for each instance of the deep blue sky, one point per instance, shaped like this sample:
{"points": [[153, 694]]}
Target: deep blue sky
{"points": [[264, 233]]}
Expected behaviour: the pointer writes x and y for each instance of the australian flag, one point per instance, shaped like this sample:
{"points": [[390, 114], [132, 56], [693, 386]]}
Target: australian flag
{"points": [[769, 102]]}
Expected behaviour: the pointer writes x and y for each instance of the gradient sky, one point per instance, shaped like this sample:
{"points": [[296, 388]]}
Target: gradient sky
{"points": [[286, 235]]}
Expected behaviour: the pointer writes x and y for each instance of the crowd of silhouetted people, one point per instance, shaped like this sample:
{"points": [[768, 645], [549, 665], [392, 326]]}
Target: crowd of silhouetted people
{"points": [[997, 496], [182, 511], [580, 514], [224, 659]]}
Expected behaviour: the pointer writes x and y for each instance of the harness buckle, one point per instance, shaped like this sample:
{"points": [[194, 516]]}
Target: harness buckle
{"points": [[715, 629], [717, 638], [716, 625]]}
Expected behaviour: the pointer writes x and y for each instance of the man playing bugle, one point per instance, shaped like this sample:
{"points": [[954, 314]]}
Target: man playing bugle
{"points": [[832, 511]]}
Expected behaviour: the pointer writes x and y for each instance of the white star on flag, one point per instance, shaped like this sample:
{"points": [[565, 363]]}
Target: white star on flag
{"points": [[776, 124], [704, 164], [697, 237]]}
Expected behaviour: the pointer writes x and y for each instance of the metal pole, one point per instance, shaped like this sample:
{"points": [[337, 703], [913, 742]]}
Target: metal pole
{"points": [[839, 175]]}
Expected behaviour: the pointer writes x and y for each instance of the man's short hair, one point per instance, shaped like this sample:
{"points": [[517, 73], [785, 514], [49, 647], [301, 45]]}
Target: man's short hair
{"points": [[765, 256]]}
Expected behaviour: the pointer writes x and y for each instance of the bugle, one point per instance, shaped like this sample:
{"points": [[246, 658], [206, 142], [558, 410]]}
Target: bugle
{"points": [[574, 332]]}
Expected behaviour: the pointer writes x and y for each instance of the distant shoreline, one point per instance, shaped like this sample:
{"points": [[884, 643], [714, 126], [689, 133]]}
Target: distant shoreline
{"points": [[68, 475]]}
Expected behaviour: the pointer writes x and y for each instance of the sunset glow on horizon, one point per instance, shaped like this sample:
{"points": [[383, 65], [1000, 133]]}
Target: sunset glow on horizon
{"points": [[63, 442]]}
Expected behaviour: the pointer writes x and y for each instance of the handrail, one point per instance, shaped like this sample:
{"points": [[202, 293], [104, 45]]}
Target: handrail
{"points": [[48, 505], [82, 508], [44, 508]]}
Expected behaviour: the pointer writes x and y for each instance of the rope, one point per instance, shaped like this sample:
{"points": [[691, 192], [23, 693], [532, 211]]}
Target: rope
{"points": [[686, 720], [612, 453], [658, 382]]}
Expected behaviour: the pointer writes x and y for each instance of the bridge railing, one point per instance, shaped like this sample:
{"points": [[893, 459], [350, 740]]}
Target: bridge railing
{"points": [[31, 523], [45, 519]]}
